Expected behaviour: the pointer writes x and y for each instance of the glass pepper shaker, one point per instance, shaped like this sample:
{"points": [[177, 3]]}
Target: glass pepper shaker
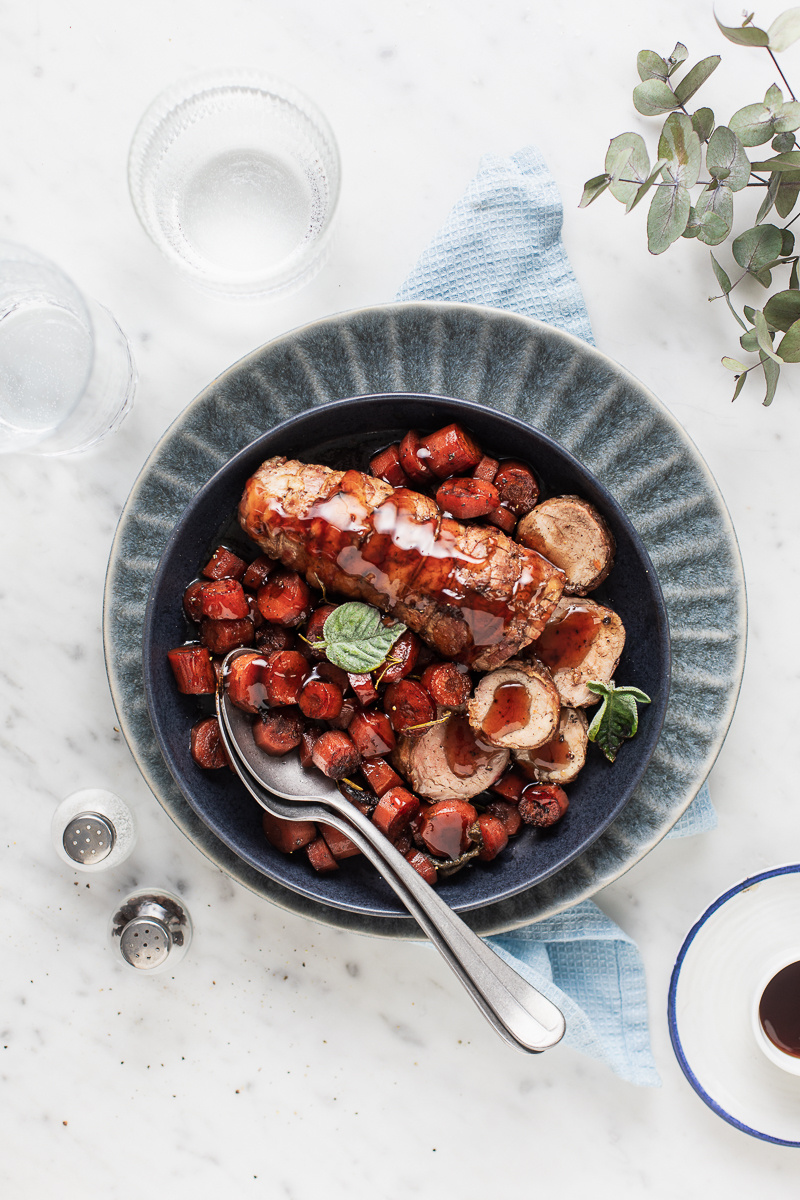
{"points": [[151, 930]]}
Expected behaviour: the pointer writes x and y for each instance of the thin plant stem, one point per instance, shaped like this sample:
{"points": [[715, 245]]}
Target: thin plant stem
{"points": [[780, 72]]}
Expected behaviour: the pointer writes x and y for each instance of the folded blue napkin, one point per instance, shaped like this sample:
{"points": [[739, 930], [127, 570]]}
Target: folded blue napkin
{"points": [[501, 246]]}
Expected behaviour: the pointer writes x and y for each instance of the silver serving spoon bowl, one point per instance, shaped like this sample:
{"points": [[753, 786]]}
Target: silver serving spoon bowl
{"points": [[519, 1013]]}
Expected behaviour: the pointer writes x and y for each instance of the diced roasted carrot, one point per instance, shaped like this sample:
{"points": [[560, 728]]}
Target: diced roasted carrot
{"points": [[467, 498], [503, 518], [287, 835], [320, 700], [285, 598], [320, 856], [510, 785], [194, 673], [451, 451], [372, 733], [253, 611], [349, 709], [517, 486], [494, 835], [401, 659], [192, 598], [313, 629], [542, 804], [256, 574], [394, 810], [445, 829], [423, 866], [364, 688], [223, 636], [224, 600], [274, 637], [387, 466], [278, 731], [310, 735], [507, 813], [408, 705], [285, 675], [380, 776], [245, 682], [224, 564], [206, 745], [486, 469], [339, 844], [335, 754], [332, 674], [412, 461], [447, 685]]}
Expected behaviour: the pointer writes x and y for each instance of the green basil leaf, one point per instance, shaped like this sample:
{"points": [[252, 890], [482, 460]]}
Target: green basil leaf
{"points": [[653, 97], [743, 35], [789, 348], [703, 123], [726, 154], [756, 247], [355, 639], [617, 717], [667, 217], [694, 79], [723, 278], [784, 30], [627, 157], [771, 374], [594, 188], [651, 65]]}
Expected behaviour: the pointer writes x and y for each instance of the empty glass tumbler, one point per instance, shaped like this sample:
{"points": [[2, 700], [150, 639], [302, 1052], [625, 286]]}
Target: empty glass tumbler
{"points": [[235, 177], [66, 373]]}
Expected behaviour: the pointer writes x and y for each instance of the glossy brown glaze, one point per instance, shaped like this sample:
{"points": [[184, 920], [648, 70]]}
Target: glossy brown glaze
{"points": [[565, 643], [464, 751], [509, 711], [779, 1010]]}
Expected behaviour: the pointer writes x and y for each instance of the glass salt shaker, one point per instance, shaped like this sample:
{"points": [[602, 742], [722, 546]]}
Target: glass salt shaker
{"points": [[151, 930], [93, 830]]}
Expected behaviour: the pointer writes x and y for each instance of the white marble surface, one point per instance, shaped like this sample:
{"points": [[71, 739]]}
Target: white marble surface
{"points": [[283, 1058]]}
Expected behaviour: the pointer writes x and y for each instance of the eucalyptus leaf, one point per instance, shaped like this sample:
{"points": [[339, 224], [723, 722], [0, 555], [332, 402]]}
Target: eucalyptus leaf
{"points": [[784, 30], [794, 282], [749, 341], [789, 161], [754, 248], [594, 188], [692, 225], [774, 99], [750, 313], [355, 638], [787, 245], [723, 278], [788, 119], [654, 97], [627, 155], [734, 313], [783, 142], [771, 374], [694, 79], [725, 153], [733, 364], [667, 217], [770, 197], [789, 347], [783, 309], [788, 190], [648, 183], [678, 56], [703, 123], [713, 229], [651, 65], [764, 277], [680, 146], [617, 718], [740, 382], [743, 35], [763, 336], [753, 125], [715, 214]]}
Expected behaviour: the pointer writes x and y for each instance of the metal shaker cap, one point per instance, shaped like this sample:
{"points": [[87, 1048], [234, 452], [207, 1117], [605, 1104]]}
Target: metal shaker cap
{"points": [[89, 838], [151, 930]]}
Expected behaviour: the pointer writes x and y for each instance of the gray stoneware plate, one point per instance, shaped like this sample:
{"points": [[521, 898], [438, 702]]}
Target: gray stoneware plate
{"points": [[563, 387]]}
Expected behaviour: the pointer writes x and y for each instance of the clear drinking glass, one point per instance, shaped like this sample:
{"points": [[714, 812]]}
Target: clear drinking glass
{"points": [[235, 177], [66, 373]]}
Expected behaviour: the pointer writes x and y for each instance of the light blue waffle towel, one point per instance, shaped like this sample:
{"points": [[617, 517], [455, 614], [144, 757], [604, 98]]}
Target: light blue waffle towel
{"points": [[501, 246]]}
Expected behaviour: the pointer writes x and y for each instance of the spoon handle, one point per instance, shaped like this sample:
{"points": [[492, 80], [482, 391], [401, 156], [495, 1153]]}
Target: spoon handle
{"points": [[531, 1021]]}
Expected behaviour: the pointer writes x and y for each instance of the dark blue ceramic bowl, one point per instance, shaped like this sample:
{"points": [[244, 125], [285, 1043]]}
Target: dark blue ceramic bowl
{"points": [[346, 434]]}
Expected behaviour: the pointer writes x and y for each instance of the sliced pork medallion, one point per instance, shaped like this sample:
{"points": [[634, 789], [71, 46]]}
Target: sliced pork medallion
{"points": [[468, 590], [582, 642], [517, 706], [449, 762], [571, 533], [560, 759]]}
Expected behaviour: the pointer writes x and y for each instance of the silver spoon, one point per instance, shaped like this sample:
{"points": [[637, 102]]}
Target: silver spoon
{"points": [[519, 1013]]}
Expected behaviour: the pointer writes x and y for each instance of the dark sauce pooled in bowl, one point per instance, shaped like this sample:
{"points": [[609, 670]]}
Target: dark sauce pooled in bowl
{"points": [[779, 1010]]}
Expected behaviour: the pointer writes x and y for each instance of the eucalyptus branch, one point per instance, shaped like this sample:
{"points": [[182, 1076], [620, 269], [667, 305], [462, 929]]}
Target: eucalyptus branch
{"points": [[685, 206]]}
